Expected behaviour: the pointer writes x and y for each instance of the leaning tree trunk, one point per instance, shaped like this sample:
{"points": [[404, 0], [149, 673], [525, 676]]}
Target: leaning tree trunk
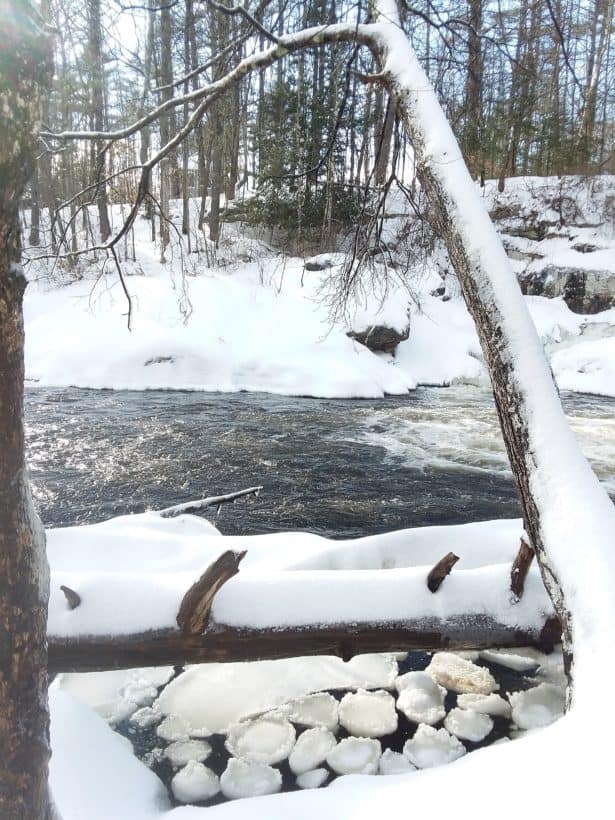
{"points": [[24, 584]]}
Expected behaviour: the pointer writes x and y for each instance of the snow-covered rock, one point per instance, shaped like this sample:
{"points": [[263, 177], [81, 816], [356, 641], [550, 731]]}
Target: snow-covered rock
{"points": [[320, 709], [313, 779], [368, 714], [263, 740], [468, 724], [195, 783], [243, 779], [537, 707], [492, 704], [421, 699], [182, 752], [311, 748], [394, 763], [460, 675], [355, 755], [432, 747]]}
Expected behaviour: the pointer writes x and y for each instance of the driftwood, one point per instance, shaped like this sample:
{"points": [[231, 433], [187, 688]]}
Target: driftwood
{"points": [[204, 503], [223, 644]]}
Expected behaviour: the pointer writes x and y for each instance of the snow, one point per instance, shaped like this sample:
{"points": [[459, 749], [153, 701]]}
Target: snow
{"points": [[355, 755], [313, 779], [264, 740], [311, 749], [194, 783], [467, 724], [432, 747], [420, 698], [460, 675], [537, 707], [181, 752], [510, 659], [318, 710], [243, 779], [394, 763], [368, 714], [173, 728], [146, 717]]}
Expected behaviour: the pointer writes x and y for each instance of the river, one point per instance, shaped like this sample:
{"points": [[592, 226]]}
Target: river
{"points": [[338, 468]]}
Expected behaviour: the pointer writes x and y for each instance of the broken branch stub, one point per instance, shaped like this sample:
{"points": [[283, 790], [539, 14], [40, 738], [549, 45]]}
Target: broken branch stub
{"points": [[520, 568], [193, 614], [441, 570], [73, 598]]}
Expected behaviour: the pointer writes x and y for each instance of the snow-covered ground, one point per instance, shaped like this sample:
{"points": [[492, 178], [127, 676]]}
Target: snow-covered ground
{"points": [[265, 324]]}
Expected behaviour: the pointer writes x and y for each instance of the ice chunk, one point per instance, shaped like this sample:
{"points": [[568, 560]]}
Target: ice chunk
{"points": [[355, 755], [146, 717], [394, 763], [461, 675], [195, 783], [510, 660], [311, 749], [173, 728], [263, 740], [468, 724], [537, 707], [183, 751], [321, 709], [243, 779], [420, 698], [432, 747], [485, 704], [313, 779], [368, 714]]}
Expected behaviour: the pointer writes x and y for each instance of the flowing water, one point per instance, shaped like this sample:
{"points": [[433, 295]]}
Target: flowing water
{"points": [[339, 468]]}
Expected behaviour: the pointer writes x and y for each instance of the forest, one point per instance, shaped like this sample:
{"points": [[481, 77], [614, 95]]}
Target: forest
{"points": [[307, 331]]}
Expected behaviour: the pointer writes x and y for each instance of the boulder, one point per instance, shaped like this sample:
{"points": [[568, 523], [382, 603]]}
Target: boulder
{"points": [[380, 338], [584, 291]]}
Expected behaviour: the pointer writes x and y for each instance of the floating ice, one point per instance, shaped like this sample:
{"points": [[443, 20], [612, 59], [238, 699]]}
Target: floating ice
{"points": [[183, 751], [355, 755], [461, 675], [537, 707], [263, 740], [195, 783], [173, 728], [368, 714], [146, 717], [311, 749], [243, 779], [510, 660], [432, 747], [420, 698], [394, 763], [313, 779], [485, 704], [321, 710], [468, 724]]}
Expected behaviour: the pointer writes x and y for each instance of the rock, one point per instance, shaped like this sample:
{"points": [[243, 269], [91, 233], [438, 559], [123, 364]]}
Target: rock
{"points": [[380, 338], [323, 261], [584, 291]]}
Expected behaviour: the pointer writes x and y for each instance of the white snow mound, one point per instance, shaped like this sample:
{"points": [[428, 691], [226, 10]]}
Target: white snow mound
{"points": [[537, 707], [263, 740], [432, 747], [173, 728], [460, 675], [468, 724], [195, 783], [421, 699], [394, 763], [355, 755], [321, 709], [311, 748], [243, 779], [183, 751], [313, 779], [368, 714]]}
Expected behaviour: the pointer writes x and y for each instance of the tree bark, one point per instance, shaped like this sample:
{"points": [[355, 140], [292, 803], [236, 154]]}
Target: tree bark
{"points": [[24, 580]]}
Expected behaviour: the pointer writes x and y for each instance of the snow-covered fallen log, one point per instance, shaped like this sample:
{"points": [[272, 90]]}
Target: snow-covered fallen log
{"points": [[158, 591]]}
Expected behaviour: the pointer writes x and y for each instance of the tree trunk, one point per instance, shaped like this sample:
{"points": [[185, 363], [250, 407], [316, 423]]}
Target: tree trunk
{"points": [[98, 113], [24, 579]]}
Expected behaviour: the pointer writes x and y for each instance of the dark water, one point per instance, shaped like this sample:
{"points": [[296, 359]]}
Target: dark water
{"points": [[342, 468]]}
